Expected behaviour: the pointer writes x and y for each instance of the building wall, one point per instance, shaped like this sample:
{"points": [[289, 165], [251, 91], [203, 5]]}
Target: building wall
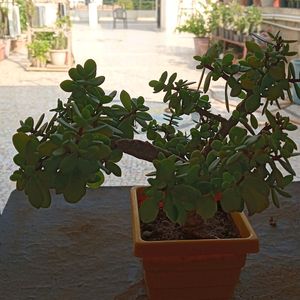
{"points": [[169, 12], [285, 17]]}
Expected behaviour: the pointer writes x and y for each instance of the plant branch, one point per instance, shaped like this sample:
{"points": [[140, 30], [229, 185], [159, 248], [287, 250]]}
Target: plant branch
{"points": [[225, 128], [208, 114], [224, 76], [141, 149], [294, 80]]}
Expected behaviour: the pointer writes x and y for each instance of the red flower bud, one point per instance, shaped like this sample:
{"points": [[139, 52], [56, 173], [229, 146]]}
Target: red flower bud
{"points": [[218, 197], [141, 196]]}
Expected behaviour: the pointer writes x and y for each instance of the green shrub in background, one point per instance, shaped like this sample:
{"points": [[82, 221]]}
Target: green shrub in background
{"points": [[135, 4], [144, 4], [127, 4], [60, 41], [44, 36], [26, 11], [3, 21], [39, 49]]}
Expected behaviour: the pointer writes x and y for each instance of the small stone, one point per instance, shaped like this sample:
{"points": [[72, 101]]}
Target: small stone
{"points": [[272, 222], [146, 234]]}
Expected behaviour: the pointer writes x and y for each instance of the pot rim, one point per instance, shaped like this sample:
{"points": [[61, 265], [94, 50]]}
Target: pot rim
{"points": [[248, 243], [58, 50]]}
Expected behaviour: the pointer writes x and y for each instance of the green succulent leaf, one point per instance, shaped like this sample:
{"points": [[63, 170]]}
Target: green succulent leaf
{"points": [[253, 121], [116, 155], [207, 81], [47, 148], [283, 193], [148, 210], [20, 141], [172, 78], [206, 206], [226, 97], [114, 168], [68, 86], [96, 181], [163, 77], [90, 68], [287, 166], [185, 195], [271, 119], [73, 73], [75, 188], [232, 200], [255, 193], [277, 72], [253, 47], [275, 198], [126, 100], [236, 134], [126, 126], [97, 81], [38, 195], [252, 103], [227, 59], [68, 163]]}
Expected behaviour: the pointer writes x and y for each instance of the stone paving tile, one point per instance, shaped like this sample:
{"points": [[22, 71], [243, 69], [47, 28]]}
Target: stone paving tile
{"points": [[129, 59]]}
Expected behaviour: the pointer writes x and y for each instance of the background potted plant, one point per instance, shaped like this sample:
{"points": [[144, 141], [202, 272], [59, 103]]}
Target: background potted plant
{"points": [[254, 18], [227, 16], [59, 47], [242, 29], [200, 24], [2, 50], [219, 167], [38, 51]]}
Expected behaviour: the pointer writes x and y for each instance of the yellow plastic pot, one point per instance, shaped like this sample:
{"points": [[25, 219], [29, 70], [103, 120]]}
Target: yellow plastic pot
{"points": [[192, 269]]}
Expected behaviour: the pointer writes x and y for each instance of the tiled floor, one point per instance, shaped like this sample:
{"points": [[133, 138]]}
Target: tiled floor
{"points": [[128, 59]]}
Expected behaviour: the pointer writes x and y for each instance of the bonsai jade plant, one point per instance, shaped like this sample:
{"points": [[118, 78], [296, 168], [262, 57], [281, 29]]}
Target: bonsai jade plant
{"points": [[220, 165]]}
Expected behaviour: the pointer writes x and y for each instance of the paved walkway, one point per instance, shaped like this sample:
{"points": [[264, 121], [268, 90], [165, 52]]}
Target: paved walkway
{"points": [[128, 59]]}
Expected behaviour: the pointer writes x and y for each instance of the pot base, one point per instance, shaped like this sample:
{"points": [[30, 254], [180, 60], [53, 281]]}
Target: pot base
{"points": [[193, 278]]}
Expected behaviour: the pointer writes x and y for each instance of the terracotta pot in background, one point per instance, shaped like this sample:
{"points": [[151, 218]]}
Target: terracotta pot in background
{"points": [[2, 50], [201, 45], [7, 44], [192, 269], [18, 45]]}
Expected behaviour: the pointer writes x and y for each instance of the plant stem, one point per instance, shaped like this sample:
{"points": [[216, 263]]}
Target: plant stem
{"points": [[142, 149]]}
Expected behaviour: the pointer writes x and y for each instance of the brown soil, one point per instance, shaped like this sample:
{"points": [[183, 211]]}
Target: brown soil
{"points": [[220, 226]]}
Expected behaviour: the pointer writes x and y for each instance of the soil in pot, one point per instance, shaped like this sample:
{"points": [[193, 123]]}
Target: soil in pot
{"points": [[219, 227]]}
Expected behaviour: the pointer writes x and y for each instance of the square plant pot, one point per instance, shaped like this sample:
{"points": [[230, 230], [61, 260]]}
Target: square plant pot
{"points": [[192, 269]]}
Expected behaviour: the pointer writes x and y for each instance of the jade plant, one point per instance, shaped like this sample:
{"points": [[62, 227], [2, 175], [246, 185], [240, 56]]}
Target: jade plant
{"points": [[221, 163]]}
